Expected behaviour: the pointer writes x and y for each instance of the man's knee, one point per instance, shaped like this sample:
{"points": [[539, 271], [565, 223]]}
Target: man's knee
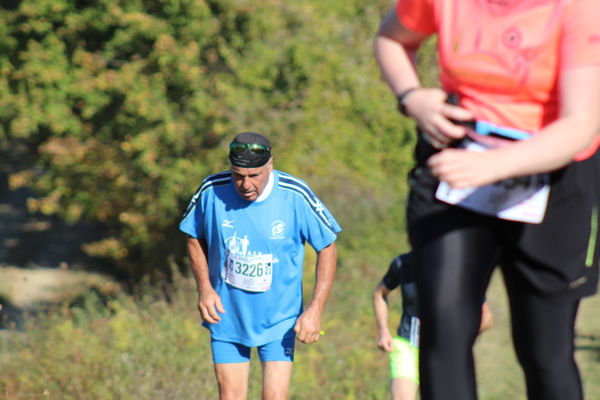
{"points": [[276, 379], [279, 393], [228, 392], [232, 380]]}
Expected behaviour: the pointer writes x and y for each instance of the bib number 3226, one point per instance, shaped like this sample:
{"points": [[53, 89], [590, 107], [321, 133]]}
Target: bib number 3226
{"points": [[253, 273]]}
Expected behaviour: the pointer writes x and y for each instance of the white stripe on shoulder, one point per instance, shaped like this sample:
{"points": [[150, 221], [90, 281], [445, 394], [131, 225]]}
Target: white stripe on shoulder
{"points": [[290, 183], [221, 178], [215, 179]]}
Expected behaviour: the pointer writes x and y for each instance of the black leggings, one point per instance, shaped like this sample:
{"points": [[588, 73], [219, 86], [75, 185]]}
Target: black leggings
{"points": [[453, 268], [455, 252]]}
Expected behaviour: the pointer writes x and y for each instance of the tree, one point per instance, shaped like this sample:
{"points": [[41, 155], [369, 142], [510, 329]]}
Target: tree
{"points": [[128, 104]]}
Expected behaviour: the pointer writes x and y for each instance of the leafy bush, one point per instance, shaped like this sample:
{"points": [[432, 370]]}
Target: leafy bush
{"points": [[129, 104]]}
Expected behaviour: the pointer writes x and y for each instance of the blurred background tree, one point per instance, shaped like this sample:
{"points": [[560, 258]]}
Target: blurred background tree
{"points": [[127, 105]]}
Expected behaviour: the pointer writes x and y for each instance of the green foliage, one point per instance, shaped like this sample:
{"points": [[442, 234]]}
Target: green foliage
{"points": [[129, 104], [140, 347]]}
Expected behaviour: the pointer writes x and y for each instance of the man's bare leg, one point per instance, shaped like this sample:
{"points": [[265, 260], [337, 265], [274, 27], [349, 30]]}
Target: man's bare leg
{"points": [[276, 379], [233, 380]]}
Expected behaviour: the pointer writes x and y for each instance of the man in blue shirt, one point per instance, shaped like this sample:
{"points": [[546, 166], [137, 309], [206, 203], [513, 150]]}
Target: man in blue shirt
{"points": [[247, 228]]}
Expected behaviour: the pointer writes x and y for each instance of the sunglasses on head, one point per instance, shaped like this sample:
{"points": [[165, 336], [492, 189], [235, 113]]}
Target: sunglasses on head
{"points": [[253, 147]]}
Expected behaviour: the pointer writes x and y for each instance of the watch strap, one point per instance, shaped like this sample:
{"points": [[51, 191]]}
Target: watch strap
{"points": [[402, 98]]}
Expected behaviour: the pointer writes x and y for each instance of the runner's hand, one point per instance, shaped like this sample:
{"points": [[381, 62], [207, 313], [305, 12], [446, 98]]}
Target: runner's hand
{"points": [[209, 305], [463, 169], [431, 112], [308, 327], [385, 341]]}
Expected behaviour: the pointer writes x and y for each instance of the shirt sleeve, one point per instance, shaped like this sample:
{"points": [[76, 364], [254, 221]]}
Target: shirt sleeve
{"points": [[417, 15], [193, 218], [391, 279], [580, 44], [398, 273], [319, 227]]}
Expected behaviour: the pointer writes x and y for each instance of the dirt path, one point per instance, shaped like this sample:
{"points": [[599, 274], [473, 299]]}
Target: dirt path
{"points": [[40, 257], [32, 239], [28, 289]]}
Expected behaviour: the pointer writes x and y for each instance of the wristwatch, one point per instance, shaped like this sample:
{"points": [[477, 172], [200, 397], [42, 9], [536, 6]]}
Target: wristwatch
{"points": [[402, 98]]}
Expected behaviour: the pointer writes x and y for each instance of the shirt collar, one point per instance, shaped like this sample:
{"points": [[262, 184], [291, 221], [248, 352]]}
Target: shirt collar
{"points": [[268, 189]]}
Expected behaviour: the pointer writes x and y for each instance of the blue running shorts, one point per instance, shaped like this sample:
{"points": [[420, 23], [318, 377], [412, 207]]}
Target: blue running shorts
{"points": [[229, 352]]}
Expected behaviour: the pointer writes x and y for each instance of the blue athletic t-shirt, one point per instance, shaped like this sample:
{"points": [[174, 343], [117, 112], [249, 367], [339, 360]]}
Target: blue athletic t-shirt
{"points": [[273, 231]]}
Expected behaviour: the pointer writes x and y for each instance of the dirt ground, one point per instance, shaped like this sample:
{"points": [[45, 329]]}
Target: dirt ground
{"points": [[41, 261], [28, 289]]}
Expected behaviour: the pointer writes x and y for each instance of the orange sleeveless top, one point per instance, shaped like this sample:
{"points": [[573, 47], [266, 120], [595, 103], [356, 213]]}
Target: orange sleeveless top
{"points": [[503, 57]]}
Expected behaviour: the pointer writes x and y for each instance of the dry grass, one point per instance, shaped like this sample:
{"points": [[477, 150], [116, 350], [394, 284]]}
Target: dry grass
{"points": [[499, 374], [150, 346]]}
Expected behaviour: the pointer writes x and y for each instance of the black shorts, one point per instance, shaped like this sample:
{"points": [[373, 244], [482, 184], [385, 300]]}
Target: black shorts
{"points": [[559, 256]]}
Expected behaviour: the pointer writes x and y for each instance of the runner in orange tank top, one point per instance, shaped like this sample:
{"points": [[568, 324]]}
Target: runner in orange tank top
{"points": [[508, 175]]}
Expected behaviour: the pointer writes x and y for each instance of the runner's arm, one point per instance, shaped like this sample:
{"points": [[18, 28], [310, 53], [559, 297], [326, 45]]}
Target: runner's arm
{"points": [[209, 302], [380, 309], [395, 51], [554, 147], [487, 318], [308, 325]]}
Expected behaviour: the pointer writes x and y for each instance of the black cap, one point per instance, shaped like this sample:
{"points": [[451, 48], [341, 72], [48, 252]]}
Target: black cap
{"points": [[248, 158]]}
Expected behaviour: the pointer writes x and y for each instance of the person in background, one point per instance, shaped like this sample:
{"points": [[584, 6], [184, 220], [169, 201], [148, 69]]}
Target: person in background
{"points": [[246, 232], [504, 176], [403, 348]]}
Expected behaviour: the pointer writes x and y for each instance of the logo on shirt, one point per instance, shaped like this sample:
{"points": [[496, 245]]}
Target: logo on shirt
{"points": [[277, 230], [227, 223], [319, 206], [238, 245], [512, 38]]}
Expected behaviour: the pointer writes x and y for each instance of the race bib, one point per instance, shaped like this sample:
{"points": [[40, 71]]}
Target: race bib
{"points": [[523, 199], [252, 273]]}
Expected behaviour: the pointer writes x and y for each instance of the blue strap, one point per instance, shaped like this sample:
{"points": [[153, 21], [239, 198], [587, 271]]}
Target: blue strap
{"points": [[486, 128]]}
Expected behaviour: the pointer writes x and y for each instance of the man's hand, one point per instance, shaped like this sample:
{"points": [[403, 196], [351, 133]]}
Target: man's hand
{"points": [[308, 327], [385, 341], [209, 305]]}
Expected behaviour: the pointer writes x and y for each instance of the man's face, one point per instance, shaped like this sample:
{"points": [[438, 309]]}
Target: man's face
{"points": [[251, 182]]}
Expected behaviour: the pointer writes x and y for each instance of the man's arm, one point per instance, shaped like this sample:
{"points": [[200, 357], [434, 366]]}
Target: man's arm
{"points": [[308, 325], [380, 308], [209, 302]]}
